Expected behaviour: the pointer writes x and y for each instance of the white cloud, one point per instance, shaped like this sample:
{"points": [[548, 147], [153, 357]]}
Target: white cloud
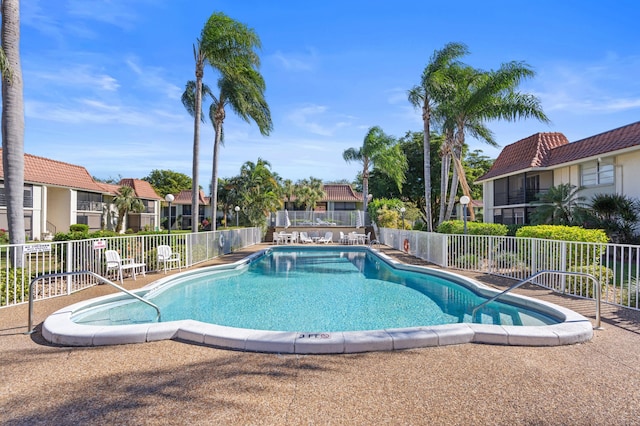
{"points": [[78, 76], [297, 61], [152, 78], [608, 85]]}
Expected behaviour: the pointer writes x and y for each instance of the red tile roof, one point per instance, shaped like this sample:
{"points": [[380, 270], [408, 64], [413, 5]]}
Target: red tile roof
{"points": [[527, 153], [338, 192], [614, 140], [184, 197], [341, 192], [552, 149], [142, 188], [55, 173]]}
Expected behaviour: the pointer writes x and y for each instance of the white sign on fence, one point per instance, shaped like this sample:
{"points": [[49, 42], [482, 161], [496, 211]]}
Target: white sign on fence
{"points": [[99, 244], [37, 248]]}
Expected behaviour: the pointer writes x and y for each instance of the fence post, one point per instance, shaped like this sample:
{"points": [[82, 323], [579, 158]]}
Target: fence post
{"points": [[69, 265]]}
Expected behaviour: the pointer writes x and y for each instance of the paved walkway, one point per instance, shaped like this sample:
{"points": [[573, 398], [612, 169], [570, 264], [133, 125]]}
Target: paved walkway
{"points": [[595, 383]]}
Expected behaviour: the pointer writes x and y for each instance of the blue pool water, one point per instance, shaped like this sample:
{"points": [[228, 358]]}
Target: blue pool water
{"points": [[314, 290]]}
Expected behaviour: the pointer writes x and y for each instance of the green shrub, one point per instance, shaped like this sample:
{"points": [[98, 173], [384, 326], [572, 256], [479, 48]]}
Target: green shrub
{"points": [[574, 254], [563, 233], [578, 285], [466, 261], [79, 227], [473, 228], [12, 285]]}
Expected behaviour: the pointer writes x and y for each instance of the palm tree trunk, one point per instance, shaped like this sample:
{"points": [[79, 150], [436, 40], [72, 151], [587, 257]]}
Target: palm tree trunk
{"points": [[444, 184], [427, 165], [465, 185], [214, 175], [452, 194], [13, 127], [197, 117]]}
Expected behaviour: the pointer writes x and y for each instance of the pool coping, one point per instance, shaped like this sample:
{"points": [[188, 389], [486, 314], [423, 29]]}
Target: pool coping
{"points": [[59, 328]]}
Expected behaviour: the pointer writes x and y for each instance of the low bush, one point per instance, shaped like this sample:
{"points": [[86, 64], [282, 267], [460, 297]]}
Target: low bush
{"points": [[14, 283], [473, 228]]}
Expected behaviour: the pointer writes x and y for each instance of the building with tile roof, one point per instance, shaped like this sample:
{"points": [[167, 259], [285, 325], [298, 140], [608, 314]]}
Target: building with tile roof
{"points": [[606, 163], [59, 194], [181, 210]]}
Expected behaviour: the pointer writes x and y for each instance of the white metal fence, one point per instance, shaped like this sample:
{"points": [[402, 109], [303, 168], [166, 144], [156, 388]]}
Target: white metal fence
{"points": [[349, 218], [616, 266], [88, 255]]}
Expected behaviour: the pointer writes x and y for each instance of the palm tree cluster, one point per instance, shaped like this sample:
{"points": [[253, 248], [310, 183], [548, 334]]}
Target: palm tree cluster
{"points": [[381, 152], [229, 47], [458, 100]]}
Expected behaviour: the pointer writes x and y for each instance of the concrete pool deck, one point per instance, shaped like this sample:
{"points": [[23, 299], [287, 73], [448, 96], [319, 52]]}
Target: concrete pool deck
{"points": [[169, 382]]}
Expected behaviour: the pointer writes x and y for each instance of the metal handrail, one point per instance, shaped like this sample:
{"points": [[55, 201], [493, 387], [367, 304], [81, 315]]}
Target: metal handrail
{"points": [[31, 330], [548, 271]]}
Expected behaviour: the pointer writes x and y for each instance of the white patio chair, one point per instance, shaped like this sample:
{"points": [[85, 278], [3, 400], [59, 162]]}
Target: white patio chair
{"points": [[166, 255], [352, 238], [343, 238], [328, 238], [294, 237], [304, 238], [114, 262]]}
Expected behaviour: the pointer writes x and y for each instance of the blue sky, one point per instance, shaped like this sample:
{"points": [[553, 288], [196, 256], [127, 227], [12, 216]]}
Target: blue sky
{"points": [[103, 78]]}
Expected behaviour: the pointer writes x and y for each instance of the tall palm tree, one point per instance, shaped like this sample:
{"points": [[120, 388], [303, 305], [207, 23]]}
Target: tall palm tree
{"points": [[379, 151], [242, 89], [230, 48], [425, 96], [197, 118], [13, 124], [125, 202], [478, 97]]}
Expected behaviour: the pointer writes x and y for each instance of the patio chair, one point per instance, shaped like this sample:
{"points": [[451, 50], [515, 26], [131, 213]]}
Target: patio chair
{"points": [[328, 238], [343, 238], [352, 238], [114, 262], [304, 238], [165, 255]]}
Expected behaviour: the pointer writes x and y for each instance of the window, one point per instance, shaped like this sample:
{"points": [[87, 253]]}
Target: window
{"points": [[597, 173], [344, 206], [28, 196], [89, 201]]}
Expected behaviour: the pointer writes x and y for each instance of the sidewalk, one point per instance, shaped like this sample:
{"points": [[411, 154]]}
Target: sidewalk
{"points": [[176, 383]]}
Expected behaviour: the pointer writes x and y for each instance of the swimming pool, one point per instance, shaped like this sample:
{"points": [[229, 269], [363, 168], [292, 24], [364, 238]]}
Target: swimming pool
{"points": [[317, 300]]}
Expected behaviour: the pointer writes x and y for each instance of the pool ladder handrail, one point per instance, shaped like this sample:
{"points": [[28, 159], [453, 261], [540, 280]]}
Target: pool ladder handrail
{"points": [[31, 330], [549, 271]]}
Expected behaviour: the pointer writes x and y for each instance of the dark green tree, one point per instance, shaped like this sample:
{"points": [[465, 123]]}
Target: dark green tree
{"points": [[168, 182]]}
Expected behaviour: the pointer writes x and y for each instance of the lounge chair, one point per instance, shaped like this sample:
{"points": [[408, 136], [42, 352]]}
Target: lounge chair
{"points": [[328, 238], [114, 262], [304, 238], [165, 255]]}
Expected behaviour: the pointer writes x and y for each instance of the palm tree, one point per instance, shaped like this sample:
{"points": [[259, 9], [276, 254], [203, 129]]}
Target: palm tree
{"points": [[222, 43], [379, 151], [556, 206], [258, 188], [308, 192], [197, 118], [425, 96], [243, 90], [478, 97], [13, 125], [125, 202]]}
